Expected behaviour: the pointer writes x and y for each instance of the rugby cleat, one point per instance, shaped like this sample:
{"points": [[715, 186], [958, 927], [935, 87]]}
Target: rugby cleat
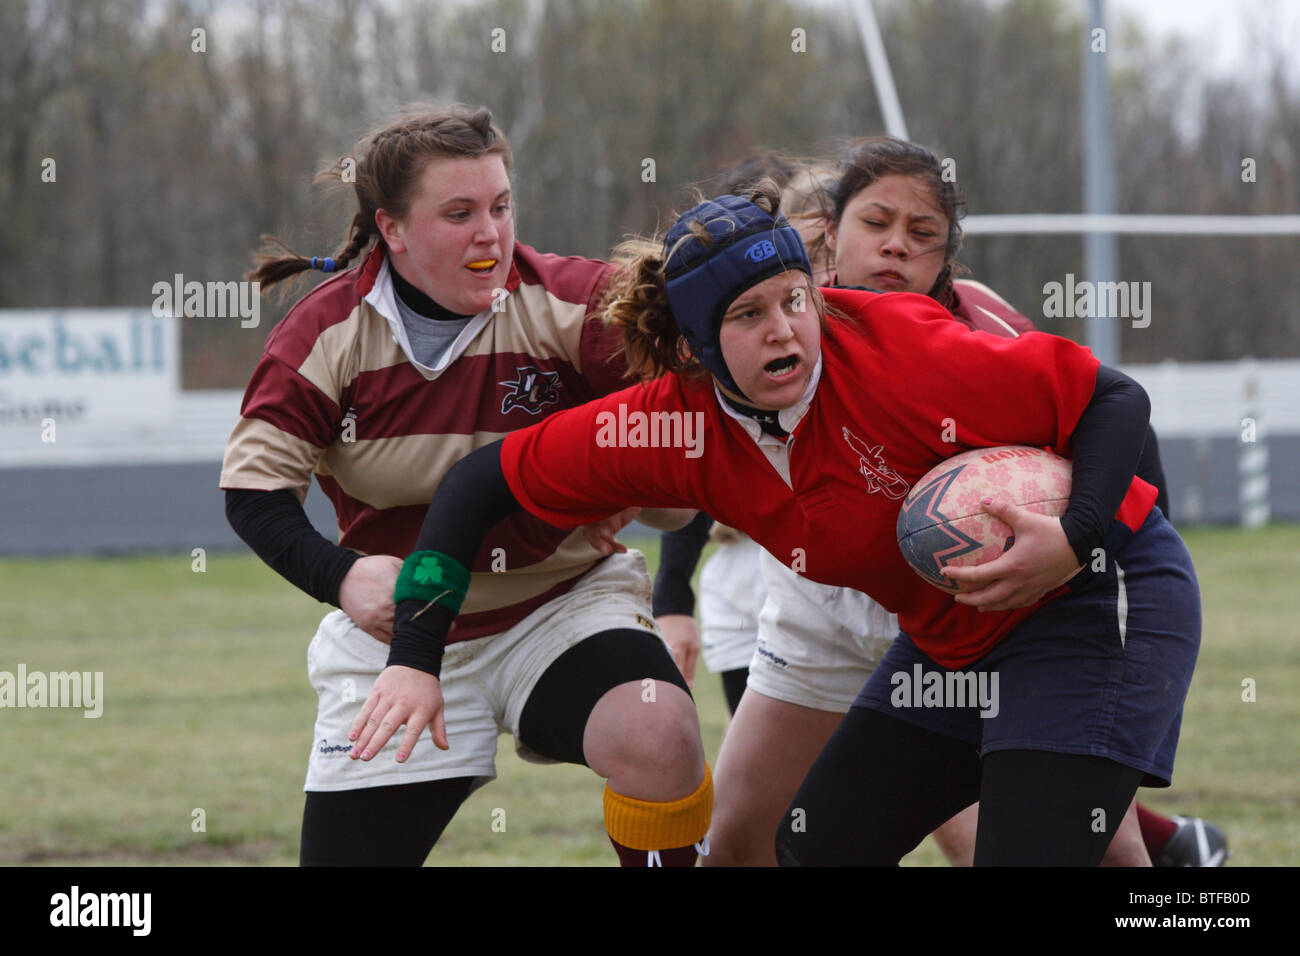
{"points": [[1194, 843]]}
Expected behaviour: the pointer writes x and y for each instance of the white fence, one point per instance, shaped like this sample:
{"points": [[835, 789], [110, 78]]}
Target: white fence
{"points": [[117, 487], [1204, 399], [1188, 400], [196, 431]]}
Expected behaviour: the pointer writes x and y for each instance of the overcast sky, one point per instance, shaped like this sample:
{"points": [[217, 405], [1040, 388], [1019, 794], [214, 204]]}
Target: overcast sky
{"points": [[1220, 31]]}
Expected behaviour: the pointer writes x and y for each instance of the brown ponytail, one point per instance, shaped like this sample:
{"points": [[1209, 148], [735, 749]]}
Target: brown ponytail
{"points": [[637, 303], [384, 172]]}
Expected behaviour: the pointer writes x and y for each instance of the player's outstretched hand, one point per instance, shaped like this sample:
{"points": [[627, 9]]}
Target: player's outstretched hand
{"points": [[683, 637], [601, 534], [366, 594], [401, 695], [1039, 561]]}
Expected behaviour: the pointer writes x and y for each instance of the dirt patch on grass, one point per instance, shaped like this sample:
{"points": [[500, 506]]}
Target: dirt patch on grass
{"points": [[247, 853]]}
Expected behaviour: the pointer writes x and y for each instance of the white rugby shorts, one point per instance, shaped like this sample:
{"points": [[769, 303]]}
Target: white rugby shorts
{"points": [[485, 681], [731, 595], [817, 644]]}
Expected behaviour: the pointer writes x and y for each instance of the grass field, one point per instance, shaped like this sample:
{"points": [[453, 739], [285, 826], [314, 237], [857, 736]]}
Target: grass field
{"points": [[207, 719]]}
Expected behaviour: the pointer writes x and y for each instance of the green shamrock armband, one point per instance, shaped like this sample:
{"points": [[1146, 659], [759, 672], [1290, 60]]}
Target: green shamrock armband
{"points": [[433, 578]]}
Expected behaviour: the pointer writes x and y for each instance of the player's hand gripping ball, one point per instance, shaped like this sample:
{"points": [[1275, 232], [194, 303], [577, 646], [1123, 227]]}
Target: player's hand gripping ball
{"points": [[942, 522]]}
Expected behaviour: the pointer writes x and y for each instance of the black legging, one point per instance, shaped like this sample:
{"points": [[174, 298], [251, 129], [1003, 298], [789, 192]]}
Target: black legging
{"points": [[881, 785], [401, 823], [379, 826], [733, 686]]}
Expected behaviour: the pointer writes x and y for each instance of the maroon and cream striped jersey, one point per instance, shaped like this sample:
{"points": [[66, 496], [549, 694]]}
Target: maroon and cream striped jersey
{"points": [[335, 395], [980, 308]]}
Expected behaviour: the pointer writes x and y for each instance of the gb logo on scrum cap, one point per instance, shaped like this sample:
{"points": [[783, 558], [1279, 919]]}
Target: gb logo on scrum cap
{"points": [[763, 249]]}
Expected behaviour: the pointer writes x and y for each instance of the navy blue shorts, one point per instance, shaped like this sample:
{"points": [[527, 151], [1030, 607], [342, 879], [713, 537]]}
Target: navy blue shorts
{"points": [[1101, 670]]}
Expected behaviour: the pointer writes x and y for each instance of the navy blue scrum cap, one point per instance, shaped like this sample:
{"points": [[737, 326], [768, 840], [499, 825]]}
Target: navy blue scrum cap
{"points": [[749, 245]]}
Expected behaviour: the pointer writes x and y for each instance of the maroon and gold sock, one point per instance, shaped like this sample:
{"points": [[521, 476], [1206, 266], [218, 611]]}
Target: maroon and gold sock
{"points": [[679, 856], [646, 833]]}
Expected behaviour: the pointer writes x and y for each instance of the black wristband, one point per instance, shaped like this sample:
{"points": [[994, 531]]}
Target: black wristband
{"points": [[1082, 541], [419, 642]]}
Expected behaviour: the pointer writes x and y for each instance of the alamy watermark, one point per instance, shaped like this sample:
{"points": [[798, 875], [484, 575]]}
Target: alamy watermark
{"points": [[84, 689], [638, 429], [923, 688], [75, 908], [209, 300], [1088, 300]]}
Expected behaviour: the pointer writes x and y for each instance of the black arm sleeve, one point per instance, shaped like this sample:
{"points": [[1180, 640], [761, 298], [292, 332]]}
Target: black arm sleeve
{"points": [[1107, 444], [679, 553], [1152, 471], [472, 497], [275, 526]]}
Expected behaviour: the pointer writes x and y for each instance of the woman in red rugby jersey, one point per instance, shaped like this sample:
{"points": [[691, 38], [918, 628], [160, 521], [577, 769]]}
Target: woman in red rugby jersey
{"points": [[789, 388], [886, 219]]}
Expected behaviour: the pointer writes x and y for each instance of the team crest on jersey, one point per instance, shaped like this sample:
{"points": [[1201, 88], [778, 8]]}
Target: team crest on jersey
{"points": [[532, 391], [871, 465]]}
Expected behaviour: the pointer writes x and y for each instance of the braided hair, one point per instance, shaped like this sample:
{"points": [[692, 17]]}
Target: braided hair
{"points": [[384, 172]]}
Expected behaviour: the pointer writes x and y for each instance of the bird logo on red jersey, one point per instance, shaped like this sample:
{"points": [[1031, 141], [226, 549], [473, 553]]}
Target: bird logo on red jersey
{"points": [[871, 465], [531, 391]]}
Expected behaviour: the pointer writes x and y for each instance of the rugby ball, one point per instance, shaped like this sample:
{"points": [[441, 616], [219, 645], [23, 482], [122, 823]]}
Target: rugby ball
{"points": [[942, 522]]}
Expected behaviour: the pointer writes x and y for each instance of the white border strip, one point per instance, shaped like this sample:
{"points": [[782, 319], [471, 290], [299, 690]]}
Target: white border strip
{"points": [[1121, 603], [1073, 224]]}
